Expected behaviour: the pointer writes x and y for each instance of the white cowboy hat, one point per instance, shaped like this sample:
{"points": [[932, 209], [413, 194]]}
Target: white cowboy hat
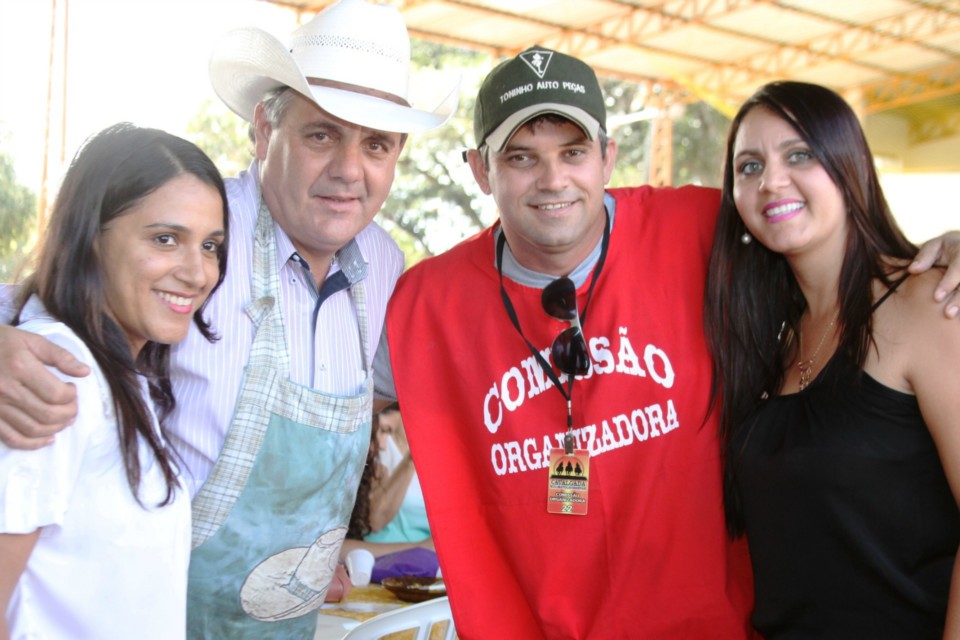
{"points": [[351, 42]]}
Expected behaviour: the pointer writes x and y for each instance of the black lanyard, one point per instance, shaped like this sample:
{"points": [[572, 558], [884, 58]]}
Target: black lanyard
{"points": [[512, 313]]}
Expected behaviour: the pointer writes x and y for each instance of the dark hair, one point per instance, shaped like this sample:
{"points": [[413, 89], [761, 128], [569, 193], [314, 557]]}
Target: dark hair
{"points": [[276, 102], [752, 298], [359, 526], [113, 171]]}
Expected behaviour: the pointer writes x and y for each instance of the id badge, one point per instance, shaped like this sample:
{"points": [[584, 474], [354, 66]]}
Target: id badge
{"points": [[567, 485]]}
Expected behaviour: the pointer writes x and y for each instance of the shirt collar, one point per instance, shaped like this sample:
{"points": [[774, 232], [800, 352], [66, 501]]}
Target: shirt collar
{"points": [[527, 277], [349, 258]]}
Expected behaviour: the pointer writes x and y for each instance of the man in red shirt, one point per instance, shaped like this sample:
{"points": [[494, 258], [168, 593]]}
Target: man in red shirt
{"points": [[555, 380]]}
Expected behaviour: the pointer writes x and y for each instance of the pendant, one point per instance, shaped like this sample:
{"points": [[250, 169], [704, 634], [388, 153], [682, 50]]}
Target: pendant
{"points": [[806, 370]]}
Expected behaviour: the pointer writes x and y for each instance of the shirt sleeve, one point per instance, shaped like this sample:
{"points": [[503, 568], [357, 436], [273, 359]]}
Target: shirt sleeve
{"points": [[36, 485], [383, 385], [8, 294]]}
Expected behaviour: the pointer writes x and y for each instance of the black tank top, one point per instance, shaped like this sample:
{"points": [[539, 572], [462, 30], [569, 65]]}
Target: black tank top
{"points": [[851, 524]]}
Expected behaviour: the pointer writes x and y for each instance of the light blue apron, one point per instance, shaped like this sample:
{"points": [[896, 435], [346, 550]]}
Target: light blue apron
{"points": [[269, 521]]}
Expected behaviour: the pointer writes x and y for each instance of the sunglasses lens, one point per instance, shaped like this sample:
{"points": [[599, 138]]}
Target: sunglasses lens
{"points": [[569, 352], [559, 299]]}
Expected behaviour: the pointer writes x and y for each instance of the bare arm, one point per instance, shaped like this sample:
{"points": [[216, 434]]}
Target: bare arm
{"points": [[15, 550], [952, 628], [944, 250], [386, 496], [34, 403], [932, 371], [339, 585]]}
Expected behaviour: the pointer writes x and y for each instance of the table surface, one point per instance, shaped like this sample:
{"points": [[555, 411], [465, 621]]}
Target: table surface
{"points": [[335, 619]]}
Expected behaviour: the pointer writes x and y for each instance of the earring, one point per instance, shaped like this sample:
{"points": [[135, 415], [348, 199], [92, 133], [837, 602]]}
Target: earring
{"points": [[746, 238]]}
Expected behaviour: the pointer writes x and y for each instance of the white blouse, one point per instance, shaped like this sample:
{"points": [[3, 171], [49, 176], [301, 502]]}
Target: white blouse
{"points": [[103, 567]]}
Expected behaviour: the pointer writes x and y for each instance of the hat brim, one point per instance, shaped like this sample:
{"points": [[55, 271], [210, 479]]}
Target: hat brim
{"points": [[383, 115], [499, 137], [247, 63]]}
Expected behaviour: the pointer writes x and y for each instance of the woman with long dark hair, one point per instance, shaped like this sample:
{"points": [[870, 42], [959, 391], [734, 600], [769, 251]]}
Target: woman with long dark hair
{"points": [[95, 529], [837, 382]]}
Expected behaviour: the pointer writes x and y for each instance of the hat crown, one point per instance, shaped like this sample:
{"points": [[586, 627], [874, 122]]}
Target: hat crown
{"points": [[536, 76], [330, 47], [352, 60]]}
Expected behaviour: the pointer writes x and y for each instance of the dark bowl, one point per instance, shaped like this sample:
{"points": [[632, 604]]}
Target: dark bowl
{"points": [[415, 589]]}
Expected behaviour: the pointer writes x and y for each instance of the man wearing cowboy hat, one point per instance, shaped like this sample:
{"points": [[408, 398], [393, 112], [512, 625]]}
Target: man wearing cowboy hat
{"points": [[330, 112], [273, 421]]}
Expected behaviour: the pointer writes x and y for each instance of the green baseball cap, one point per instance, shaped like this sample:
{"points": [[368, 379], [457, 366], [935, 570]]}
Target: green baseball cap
{"points": [[536, 82]]}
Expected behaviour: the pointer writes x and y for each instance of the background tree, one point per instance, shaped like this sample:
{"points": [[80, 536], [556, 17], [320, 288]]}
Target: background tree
{"points": [[18, 219], [434, 202], [699, 139], [223, 136], [628, 123], [699, 135]]}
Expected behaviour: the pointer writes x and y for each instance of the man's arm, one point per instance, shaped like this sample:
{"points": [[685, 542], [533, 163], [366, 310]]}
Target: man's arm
{"points": [[34, 403], [943, 250]]}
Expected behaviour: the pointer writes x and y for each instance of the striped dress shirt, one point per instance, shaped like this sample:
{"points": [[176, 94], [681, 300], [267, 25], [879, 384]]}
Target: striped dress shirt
{"points": [[206, 377]]}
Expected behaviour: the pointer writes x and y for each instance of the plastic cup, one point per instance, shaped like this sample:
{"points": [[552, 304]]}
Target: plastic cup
{"points": [[359, 563]]}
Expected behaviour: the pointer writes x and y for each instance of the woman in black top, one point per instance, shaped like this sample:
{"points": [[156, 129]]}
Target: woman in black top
{"points": [[840, 386]]}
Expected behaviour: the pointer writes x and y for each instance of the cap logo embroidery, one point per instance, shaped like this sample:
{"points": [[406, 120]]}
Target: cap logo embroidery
{"points": [[538, 61]]}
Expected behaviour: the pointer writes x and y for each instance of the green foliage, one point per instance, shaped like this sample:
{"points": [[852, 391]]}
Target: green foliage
{"points": [[625, 98], [18, 219], [699, 139], [434, 202], [699, 135], [223, 136]]}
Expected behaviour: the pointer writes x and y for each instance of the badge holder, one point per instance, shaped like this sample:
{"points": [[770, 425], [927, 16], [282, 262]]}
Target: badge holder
{"points": [[567, 486]]}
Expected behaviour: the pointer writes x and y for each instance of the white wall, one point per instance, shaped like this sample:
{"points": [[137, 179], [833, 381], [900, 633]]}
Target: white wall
{"points": [[920, 181], [924, 204]]}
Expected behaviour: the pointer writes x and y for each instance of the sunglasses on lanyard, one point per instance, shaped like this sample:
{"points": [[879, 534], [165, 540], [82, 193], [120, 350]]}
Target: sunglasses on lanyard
{"points": [[569, 349]]}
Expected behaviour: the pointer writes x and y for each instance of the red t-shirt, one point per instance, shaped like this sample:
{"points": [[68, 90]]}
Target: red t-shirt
{"points": [[650, 559]]}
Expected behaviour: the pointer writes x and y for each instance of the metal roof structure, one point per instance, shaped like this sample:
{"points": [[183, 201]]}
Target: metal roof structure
{"points": [[895, 57]]}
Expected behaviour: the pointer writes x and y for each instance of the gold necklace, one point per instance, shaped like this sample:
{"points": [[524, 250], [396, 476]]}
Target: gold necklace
{"points": [[806, 368]]}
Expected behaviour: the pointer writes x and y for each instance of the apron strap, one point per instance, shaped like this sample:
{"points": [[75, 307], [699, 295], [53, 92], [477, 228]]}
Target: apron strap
{"points": [[266, 389]]}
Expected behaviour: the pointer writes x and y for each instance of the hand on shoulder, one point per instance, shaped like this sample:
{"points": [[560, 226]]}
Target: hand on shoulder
{"points": [[34, 403], [943, 250]]}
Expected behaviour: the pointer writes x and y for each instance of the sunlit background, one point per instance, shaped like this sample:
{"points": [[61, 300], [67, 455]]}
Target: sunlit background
{"points": [[145, 61]]}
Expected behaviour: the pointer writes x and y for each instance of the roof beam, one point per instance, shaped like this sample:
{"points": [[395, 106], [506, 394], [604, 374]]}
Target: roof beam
{"points": [[913, 88], [846, 45], [635, 27]]}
